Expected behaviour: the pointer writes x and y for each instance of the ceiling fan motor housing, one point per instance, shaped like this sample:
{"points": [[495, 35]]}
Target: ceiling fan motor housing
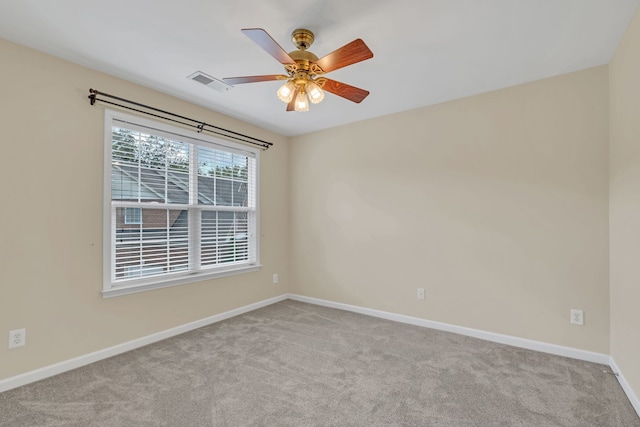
{"points": [[302, 38], [303, 58]]}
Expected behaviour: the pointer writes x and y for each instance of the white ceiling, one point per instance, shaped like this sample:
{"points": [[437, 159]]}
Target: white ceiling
{"points": [[425, 51]]}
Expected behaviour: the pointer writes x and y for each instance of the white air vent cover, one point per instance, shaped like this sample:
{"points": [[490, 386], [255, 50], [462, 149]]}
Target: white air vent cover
{"points": [[209, 81]]}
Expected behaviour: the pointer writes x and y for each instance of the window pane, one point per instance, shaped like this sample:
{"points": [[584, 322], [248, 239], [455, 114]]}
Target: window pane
{"points": [[209, 238], [222, 178], [178, 240], [177, 154], [158, 244], [224, 192], [123, 146], [124, 170], [224, 237], [177, 187], [240, 194], [148, 168], [152, 182], [206, 190]]}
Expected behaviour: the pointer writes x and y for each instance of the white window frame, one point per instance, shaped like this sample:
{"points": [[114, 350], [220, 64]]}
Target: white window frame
{"points": [[111, 287]]}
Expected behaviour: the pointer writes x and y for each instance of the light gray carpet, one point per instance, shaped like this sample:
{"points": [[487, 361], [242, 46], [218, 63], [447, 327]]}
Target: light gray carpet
{"points": [[295, 364]]}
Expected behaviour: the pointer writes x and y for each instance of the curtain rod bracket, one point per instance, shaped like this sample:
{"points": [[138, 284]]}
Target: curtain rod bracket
{"points": [[92, 96]]}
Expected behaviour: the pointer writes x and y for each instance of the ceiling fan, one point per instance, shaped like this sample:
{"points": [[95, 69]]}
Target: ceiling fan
{"points": [[304, 78]]}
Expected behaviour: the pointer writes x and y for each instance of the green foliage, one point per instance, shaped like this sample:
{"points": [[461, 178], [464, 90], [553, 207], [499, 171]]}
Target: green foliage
{"points": [[238, 172], [151, 151]]}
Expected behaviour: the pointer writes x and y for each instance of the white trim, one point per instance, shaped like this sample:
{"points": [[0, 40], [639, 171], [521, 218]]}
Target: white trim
{"points": [[67, 365], [256, 213], [635, 402], [543, 347], [108, 244], [179, 279], [77, 362]]}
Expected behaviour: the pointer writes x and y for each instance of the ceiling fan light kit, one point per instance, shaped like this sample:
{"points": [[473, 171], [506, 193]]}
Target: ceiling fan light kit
{"points": [[304, 79], [285, 93], [316, 95], [302, 104]]}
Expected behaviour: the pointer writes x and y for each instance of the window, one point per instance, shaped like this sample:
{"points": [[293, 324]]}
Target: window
{"points": [[132, 215], [179, 206]]}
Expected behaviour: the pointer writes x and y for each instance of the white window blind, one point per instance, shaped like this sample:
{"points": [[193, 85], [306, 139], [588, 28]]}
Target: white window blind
{"points": [[181, 206]]}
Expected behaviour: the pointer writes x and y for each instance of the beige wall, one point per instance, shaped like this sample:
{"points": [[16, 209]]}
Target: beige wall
{"points": [[625, 204], [496, 204], [51, 218]]}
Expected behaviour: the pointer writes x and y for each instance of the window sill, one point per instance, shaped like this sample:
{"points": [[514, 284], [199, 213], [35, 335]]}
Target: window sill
{"points": [[120, 290]]}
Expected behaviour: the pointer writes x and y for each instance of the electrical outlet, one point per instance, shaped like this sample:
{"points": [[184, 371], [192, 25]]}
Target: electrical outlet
{"points": [[275, 278], [420, 293], [17, 338], [577, 317]]}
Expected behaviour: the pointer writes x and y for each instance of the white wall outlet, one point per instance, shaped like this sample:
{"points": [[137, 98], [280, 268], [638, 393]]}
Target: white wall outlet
{"points": [[17, 338], [577, 317], [275, 278], [420, 293]]}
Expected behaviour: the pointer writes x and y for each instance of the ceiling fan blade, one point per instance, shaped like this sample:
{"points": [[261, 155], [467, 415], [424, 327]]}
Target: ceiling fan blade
{"points": [[254, 79], [348, 54], [265, 41], [291, 106], [346, 91]]}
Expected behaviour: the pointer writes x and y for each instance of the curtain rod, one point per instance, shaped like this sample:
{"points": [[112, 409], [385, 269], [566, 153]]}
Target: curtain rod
{"points": [[199, 125]]}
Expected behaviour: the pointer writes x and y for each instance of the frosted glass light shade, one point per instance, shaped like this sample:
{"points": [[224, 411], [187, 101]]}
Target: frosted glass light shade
{"points": [[286, 91], [302, 103], [316, 94]]}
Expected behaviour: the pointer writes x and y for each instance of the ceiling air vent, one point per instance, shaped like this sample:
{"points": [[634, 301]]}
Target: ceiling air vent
{"points": [[209, 81]]}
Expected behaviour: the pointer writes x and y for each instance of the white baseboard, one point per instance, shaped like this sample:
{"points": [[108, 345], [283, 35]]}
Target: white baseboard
{"points": [[635, 402], [67, 365], [559, 350], [76, 362]]}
